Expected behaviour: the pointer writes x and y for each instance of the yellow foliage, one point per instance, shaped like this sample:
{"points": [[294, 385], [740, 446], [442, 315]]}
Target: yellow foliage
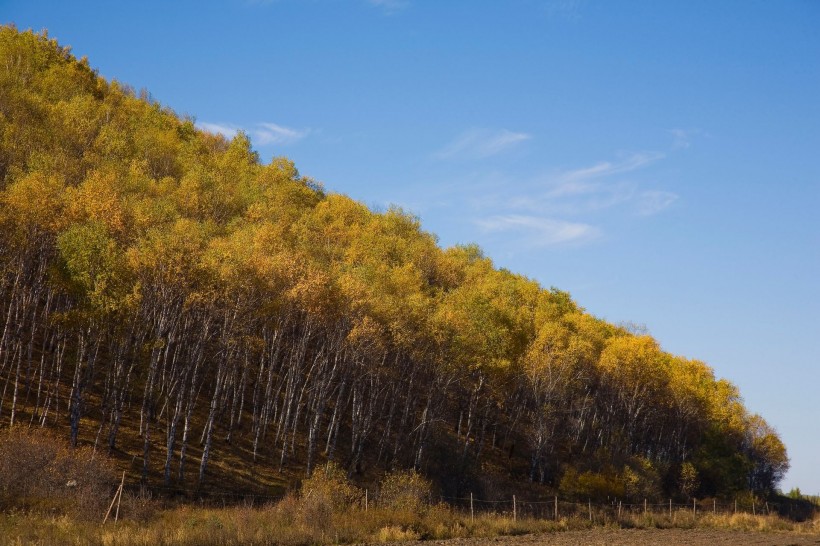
{"points": [[404, 490], [36, 199]]}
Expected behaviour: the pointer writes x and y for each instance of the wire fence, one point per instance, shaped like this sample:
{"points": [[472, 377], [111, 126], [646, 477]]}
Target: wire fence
{"points": [[555, 508], [596, 511]]}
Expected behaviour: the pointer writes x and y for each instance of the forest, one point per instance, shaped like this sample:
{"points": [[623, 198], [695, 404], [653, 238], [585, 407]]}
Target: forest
{"points": [[165, 295]]}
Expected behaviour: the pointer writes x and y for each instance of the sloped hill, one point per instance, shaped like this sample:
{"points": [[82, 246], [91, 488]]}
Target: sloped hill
{"points": [[209, 320]]}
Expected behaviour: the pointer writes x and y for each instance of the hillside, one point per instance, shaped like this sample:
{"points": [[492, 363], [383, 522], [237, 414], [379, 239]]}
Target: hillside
{"points": [[209, 320]]}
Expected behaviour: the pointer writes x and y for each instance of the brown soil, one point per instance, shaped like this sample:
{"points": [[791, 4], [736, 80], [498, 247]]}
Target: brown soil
{"points": [[638, 537]]}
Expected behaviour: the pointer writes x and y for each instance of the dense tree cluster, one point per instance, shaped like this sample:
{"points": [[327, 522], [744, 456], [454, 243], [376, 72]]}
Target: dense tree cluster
{"points": [[154, 273]]}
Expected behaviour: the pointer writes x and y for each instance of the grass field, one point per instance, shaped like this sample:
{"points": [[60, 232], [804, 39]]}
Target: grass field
{"points": [[304, 520]]}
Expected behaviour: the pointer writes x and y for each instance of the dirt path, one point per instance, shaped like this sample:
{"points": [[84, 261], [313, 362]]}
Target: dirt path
{"points": [[638, 537]]}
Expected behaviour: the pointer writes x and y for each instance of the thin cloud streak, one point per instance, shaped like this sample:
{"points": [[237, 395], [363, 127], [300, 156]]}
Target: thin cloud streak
{"points": [[561, 207], [538, 231], [263, 133], [271, 133], [228, 131], [482, 143], [587, 189], [608, 168], [593, 198]]}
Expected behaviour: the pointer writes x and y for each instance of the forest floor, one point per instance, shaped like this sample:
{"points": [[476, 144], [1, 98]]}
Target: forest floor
{"points": [[636, 537]]}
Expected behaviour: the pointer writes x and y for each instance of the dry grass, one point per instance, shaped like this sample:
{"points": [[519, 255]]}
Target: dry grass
{"points": [[292, 522], [288, 522]]}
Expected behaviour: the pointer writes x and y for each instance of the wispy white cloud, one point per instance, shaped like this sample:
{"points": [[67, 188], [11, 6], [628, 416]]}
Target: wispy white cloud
{"points": [[263, 133], [480, 143], [605, 169], [562, 206], [581, 198], [585, 190], [569, 206], [224, 129], [654, 201], [389, 6], [271, 133], [539, 231], [565, 206]]}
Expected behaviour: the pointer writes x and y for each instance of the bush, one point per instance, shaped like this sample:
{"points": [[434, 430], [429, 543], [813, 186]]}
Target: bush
{"points": [[641, 480], [592, 485], [325, 493], [688, 480], [41, 473], [331, 486], [405, 490]]}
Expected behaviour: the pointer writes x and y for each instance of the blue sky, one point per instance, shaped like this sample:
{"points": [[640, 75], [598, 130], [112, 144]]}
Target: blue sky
{"points": [[658, 160]]}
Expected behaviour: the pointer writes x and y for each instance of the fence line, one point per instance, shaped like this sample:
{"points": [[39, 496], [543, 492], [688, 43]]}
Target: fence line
{"points": [[556, 508], [548, 508]]}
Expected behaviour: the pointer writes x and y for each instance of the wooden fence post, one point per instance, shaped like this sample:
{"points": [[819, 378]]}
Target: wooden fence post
{"points": [[515, 513], [670, 508], [556, 507], [590, 509], [472, 513], [117, 495], [119, 498]]}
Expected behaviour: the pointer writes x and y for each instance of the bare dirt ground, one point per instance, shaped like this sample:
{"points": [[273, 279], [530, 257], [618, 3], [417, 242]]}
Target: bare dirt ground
{"points": [[638, 537]]}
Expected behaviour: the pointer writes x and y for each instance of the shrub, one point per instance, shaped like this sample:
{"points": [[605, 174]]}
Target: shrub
{"points": [[325, 493], [331, 486], [688, 480], [592, 485], [404, 490], [39, 472], [641, 479]]}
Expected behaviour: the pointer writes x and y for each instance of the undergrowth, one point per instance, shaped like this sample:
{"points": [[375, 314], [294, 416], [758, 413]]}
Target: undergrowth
{"points": [[37, 508]]}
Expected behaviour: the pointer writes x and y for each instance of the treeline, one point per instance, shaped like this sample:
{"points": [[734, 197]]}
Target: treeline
{"points": [[155, 274]]}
